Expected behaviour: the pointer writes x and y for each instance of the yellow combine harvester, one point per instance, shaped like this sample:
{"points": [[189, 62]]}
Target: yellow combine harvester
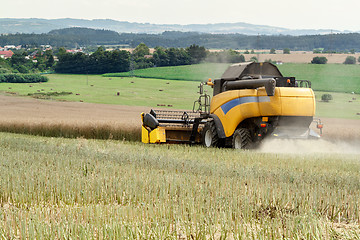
{"points": [[250, 101]]}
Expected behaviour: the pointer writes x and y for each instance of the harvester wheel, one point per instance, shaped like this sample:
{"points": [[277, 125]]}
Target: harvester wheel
{"points": [[210, 137], [241, 139]]}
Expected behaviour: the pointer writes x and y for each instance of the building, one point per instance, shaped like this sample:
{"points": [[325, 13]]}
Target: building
{"points": [[6, 54]]}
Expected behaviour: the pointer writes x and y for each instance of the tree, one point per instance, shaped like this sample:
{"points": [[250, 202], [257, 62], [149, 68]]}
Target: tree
{"points": [[226, 56], [50, 61], [319, 60], [286, 51], [197, 53], [141, 50], [61, 51], [350, 60], [359, 59], [20, 63], [272, 51], [318, 50], [270, 61], [326, 97], [119, 61], [253, 59], [160, 57]]}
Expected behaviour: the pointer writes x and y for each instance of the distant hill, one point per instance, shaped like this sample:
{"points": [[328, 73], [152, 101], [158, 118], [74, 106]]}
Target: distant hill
{"points": [[38, 25]]}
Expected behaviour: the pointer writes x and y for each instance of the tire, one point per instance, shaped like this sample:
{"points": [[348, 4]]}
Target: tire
{"points": [[241, 139], [210, 137]]}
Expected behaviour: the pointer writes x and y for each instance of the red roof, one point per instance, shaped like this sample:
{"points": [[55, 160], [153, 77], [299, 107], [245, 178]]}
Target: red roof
{"points": [[7, 54]]}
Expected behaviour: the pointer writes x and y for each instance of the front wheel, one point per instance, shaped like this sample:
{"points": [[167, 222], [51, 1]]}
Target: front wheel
{"points": [[210, 137], [241, 139]]}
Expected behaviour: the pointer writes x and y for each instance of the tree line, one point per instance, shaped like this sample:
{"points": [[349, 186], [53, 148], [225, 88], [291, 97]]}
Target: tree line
{"points": [[75, 37], [103, 61]]}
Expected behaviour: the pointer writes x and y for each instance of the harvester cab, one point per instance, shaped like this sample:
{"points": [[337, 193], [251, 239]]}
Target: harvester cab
{"points": [[250, 101]]}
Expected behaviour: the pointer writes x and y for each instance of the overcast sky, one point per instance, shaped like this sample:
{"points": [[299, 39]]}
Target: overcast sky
{"points": [[296, 14]]}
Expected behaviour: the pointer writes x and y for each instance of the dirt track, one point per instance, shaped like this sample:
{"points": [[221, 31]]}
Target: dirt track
{"points": [[27, 110]]}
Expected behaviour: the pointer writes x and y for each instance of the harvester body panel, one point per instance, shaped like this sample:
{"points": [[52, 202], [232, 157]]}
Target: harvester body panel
{"points": [[233, 107]]}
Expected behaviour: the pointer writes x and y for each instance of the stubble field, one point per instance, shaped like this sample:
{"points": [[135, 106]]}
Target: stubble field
{"points": [[57, 188]]}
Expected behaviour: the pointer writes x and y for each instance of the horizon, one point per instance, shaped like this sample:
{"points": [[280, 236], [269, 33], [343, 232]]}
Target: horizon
{"points": [[305, 14], [151, 23]]}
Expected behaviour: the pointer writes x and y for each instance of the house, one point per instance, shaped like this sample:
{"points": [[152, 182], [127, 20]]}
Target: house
{"points": [[73, 50], [9, 46], [6, 54]]}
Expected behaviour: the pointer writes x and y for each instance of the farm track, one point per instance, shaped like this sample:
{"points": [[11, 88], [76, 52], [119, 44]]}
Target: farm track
{"points": [[28, 111]]}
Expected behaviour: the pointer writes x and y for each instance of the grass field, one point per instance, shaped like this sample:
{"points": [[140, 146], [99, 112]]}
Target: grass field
{"points": [[98, 89], [54, 188], [198, 72], [342, 106], [327, 77]]}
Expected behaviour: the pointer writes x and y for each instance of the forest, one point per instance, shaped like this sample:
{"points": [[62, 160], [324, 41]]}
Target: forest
{"points": [[81, 37]]}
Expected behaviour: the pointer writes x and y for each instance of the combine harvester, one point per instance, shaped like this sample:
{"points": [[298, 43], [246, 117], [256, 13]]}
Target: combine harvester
{"points": [[250, 102]]}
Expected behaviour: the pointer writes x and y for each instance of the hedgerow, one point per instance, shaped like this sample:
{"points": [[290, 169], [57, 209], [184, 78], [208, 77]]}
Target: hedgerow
{"points": [[22, 78]]}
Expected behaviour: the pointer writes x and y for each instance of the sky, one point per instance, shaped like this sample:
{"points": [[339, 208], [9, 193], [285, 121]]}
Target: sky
{"points": [[293, 14]]}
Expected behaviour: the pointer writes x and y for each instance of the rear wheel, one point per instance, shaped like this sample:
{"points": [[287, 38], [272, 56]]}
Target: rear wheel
{"points": [[210, 137], [241, 139]]}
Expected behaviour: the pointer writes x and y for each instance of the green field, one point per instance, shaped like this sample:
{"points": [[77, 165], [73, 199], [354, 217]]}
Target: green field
{"points": [[326, 77], [98, 89], [197, 72], [342, 105], [55, 188]]}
